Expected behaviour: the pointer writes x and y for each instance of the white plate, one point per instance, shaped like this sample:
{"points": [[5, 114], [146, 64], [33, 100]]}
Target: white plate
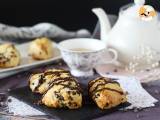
{"points": [[27, 62]]}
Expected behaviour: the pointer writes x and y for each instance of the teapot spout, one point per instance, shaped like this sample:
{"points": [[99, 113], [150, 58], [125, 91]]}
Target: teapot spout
{"points": [[105, 25]]}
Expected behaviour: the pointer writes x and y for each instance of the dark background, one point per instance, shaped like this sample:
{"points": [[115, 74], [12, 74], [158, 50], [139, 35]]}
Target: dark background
{"points": [[69, 14]]}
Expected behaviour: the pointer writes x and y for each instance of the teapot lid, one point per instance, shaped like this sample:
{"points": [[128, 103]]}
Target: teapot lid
{"points": [[140, 11]]}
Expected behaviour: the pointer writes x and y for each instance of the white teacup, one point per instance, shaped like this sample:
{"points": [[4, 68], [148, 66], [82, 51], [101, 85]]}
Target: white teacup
{"points": [[83, 54]]}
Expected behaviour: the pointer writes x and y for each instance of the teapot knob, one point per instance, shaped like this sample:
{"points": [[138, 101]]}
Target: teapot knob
{"points": [[139, 2]]}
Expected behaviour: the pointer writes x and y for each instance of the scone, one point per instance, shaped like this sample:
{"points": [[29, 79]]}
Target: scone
{"points": [[41, 49], [106, 93], [9, 56], [40, 82], [58, 87], [35, 81], [50, 76], [64, 92]]}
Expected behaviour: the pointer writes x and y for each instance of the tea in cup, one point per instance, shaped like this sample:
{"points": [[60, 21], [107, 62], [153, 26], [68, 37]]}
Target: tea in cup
{"points": [[84, 54]]}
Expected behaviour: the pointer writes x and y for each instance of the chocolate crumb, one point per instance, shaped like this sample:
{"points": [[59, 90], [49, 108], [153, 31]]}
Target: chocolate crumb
{"points": [[115, 70], [9, 100], [126, 93]]}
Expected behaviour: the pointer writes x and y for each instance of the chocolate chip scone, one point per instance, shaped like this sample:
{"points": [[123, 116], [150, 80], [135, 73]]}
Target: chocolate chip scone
{"points": [[106, 93], [41, 49], [9, 56], [40, 82], [64, 92]]}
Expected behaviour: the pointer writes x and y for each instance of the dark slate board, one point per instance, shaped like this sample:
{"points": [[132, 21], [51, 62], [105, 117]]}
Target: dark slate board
{"points": [[88, 111]]}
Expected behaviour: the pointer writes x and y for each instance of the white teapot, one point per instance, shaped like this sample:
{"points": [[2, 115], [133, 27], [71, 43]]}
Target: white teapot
{"points": [[130, 32]]}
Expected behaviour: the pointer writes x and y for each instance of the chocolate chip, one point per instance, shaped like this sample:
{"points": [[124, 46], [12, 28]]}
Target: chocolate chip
{"points": [[74, 93], [70, 98], [98, 95], [69, 103], [107, 104]]}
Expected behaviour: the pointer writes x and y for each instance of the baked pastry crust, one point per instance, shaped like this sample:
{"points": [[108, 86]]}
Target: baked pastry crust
{"points": [[35, 81], [39, 83], [58, 87], [63, 94], [9, 56], [41, 49], [106, 93]]}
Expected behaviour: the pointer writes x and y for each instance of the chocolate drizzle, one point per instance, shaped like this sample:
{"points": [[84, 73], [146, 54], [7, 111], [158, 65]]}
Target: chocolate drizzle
{"points": [[104, 79], [53, 73], [103, 82], [3, 59], [66, 81], [110, 89], [61, 80], [7, 58], [56, 73], [41, 80], [143, 14]]}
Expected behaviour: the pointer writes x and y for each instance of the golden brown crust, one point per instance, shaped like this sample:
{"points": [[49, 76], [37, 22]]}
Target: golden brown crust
{"points": [[58, 87], [41, 49], [106, 93], [60, 95], [42, 81], [9, 56], [65, 92]]}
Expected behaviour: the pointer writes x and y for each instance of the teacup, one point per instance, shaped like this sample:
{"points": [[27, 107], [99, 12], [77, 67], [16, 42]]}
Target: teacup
{"points": [[84, 54]]}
